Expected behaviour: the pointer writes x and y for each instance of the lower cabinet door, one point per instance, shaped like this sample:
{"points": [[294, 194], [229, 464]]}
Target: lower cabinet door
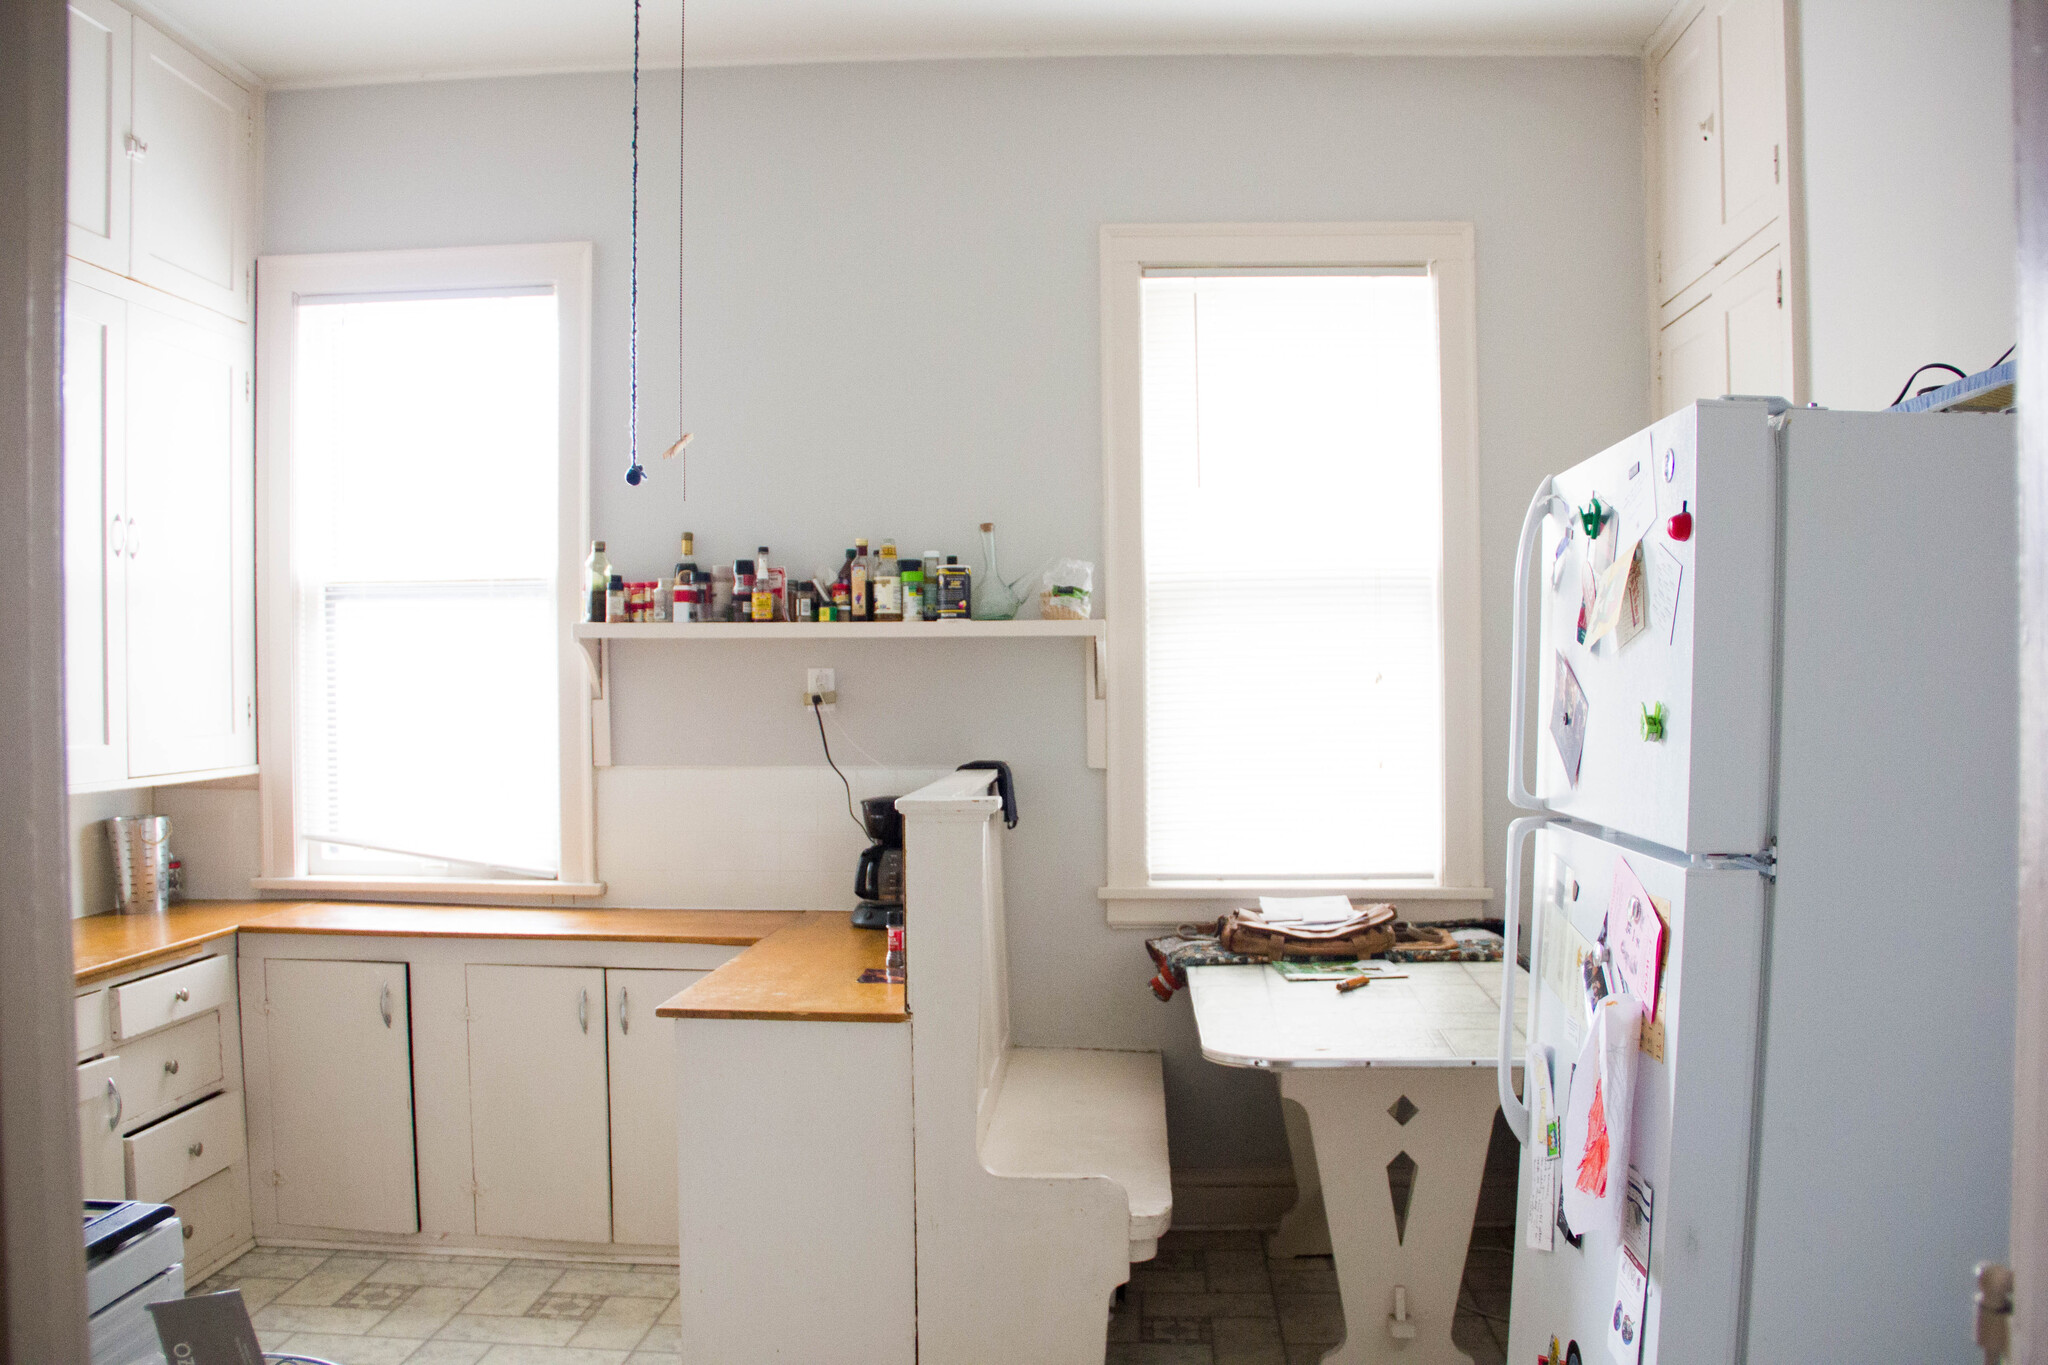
{"points": [[99, 1129], [339, 1038], [537, 1097], [643, 1104], [215, 1213]]}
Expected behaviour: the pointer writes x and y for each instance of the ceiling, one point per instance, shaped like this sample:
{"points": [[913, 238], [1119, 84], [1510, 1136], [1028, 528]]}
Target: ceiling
{"points": [[341, 42]]}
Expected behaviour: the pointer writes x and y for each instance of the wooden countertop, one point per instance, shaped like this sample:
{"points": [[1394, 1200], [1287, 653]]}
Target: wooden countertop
{"points": [[808, 970], [108, 945]]}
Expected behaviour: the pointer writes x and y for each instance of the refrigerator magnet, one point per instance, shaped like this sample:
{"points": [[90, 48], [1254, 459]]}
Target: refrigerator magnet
{"points": [[1568, 719]]}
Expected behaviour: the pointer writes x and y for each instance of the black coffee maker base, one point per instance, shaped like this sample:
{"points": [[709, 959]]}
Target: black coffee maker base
{"points": [[873, 915]]}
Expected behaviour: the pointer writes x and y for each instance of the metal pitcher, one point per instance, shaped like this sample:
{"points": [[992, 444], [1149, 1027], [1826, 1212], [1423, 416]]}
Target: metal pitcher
{"points": [[142, 863]]}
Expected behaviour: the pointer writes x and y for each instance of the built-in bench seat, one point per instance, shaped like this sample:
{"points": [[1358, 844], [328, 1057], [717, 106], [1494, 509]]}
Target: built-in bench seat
{"points": [[1041, 1172], [1079, 1112]]}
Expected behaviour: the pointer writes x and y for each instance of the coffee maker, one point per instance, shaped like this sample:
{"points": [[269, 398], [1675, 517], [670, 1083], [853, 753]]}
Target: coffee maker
{"points": [[878, 877]]}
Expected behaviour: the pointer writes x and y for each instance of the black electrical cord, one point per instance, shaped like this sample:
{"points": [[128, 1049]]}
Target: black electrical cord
{"points": [[818, 710], [2002, 359], [1937, 365]]}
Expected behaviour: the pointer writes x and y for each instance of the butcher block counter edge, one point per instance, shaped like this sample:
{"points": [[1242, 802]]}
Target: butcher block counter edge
{"points": [[110, 945], [808, 970]]}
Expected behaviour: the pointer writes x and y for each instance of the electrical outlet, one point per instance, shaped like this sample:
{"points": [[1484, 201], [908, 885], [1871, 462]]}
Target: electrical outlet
{"points": [[821, 682]]}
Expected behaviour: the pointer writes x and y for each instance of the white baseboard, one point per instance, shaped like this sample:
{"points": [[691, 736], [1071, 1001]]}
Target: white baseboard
{"points": [[1241, 1197]]}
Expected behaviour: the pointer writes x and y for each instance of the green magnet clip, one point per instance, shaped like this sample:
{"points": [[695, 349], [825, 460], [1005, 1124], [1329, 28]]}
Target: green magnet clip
{"points": [[1592, 518], [1653, 722]]}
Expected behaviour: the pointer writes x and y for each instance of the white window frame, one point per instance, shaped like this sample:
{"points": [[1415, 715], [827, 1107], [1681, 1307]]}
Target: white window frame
{"points": [[1133, 898], [281, 281]]}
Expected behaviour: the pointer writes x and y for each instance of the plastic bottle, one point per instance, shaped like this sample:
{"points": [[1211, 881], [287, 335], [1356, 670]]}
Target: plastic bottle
{"points": [[597, 576], [911, 571], [764, 588], [930, 606]]}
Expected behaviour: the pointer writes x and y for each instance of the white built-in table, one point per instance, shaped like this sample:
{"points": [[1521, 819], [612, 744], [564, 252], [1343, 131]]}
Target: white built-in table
{"points": [[1389, 1093]]}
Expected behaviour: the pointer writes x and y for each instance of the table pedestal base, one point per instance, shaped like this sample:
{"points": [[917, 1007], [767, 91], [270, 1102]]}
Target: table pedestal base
{"points": [[1368, 1166]]}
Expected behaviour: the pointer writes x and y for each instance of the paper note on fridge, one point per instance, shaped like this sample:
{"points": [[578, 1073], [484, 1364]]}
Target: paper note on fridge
{"points": [[1635, 607], [1635, 936], [1598, 1117], [1625, 1318], [1666, 574], [1568, 719], [1612, 590], [1637, 506], [1546, 1145]]}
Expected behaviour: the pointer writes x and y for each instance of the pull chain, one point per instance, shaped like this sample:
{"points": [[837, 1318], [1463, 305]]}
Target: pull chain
{"points": [[634, 473]]}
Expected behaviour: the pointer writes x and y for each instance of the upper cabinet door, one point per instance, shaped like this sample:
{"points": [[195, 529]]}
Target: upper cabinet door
{"points": [[95, 523], [1688, 115], [1759, 326], [1752, 115], [193, 130], [98, 174], [190, 544]]}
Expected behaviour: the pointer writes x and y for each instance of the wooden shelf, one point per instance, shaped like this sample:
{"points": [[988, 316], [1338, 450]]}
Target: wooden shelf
{"points": [[845, 630], [597, 641]]}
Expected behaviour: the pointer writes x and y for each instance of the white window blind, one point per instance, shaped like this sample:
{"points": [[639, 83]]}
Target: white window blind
{"points": [[1292, 546], [423, 550]]}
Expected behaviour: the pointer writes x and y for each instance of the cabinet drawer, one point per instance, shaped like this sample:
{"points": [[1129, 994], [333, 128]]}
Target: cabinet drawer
{"points": [[180, 993], [166, 1069], [90, 1022], [216, 1215], [184, 1149]]}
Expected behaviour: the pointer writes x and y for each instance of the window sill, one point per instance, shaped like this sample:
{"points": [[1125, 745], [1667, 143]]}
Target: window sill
{"points": [[508, 888], [1164, 906]]}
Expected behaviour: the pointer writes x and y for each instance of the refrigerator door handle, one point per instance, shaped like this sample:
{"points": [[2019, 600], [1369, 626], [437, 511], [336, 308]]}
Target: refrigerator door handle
{"points": [[1545, 503], [1512, 1108]]}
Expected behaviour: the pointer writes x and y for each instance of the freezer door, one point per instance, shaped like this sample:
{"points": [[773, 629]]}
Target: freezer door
{"points": [[1691, 1112], [1703, 654]]}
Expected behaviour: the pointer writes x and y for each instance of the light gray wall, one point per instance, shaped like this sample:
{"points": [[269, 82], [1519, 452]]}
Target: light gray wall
{"points": [[1908, 154], [892, 330]]}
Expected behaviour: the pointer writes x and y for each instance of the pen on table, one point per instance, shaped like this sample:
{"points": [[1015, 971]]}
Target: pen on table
{"points": [[1353, 983]]}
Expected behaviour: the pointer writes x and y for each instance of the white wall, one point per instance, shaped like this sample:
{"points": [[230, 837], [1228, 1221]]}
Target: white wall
{"points": [[1908, 156], [892, 330]]}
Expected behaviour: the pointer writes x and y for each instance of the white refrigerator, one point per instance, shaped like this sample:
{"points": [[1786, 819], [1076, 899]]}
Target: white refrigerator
{"points": [[1792, 713]]}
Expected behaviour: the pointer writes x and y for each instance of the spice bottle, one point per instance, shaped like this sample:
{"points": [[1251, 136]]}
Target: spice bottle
{"points": [[615, 598], [930, 605], [911, 571], [685, 598], [863, 575], [762, 602], [597, 574]]}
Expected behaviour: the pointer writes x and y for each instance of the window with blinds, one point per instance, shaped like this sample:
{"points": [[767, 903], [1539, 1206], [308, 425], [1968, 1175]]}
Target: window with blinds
{"points": [[1292, 474], [425, 481]]}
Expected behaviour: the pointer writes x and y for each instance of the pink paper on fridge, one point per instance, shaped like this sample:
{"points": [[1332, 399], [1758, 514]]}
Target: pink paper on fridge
{"points": [[1635, 936]]}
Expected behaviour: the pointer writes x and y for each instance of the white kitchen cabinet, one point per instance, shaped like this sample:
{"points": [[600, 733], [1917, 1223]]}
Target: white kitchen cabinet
{"points": [[160, 602], [190, 546], [195, 135], [1735, 339], [97, 181], [338, 1064], [95, 581], [643, 1110], [1718, 116], [99, 1129], [538, 1099]]}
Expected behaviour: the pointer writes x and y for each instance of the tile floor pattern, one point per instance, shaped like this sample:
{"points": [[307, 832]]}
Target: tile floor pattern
{"points": [[1213, 1298], [357, 1308], [1208, 1298]]}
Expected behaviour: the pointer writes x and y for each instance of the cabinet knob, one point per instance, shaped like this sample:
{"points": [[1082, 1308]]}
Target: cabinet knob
{"points": [[171, 1067], [182, 995], [188, 1232], [195, 1150]]}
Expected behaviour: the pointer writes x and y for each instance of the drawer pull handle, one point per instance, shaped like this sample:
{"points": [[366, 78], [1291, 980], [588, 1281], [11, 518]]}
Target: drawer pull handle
{"points": [[196, 1150], [625, 1025], [171, 1067], [583, 1010], [384, 1005], [114, 1097], [182, 996], [188, 1232]]}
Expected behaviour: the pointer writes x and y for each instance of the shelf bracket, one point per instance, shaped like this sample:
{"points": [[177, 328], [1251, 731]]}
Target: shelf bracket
{"points": [[1095, 697], [597, 657]]}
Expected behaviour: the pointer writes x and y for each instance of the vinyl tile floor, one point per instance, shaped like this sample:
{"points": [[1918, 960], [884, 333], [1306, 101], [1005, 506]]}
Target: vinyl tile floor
{"points": [[1215, 1298], [1208, 1298], [367, 1309]]}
